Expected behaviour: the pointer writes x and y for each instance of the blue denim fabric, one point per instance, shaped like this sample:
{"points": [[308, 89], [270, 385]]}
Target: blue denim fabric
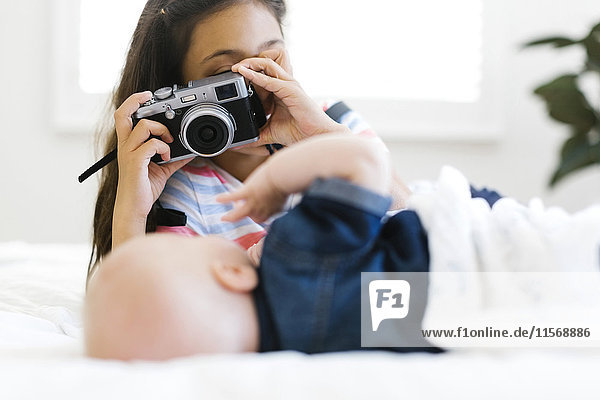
{"points": [[309, 296], [491, 196]]}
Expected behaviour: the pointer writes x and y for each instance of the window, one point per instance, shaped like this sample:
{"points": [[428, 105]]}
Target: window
{"points": [[416, 70], [103, 52], [389, 49], [90, 44], [425, 70]]}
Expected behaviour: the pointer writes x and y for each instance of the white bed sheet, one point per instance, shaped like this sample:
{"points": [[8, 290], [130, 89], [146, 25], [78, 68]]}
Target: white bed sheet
{"points": [[41, 356]]}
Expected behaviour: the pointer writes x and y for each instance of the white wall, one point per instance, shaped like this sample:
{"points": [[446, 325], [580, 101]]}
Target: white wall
{"points": [[41, 201]]}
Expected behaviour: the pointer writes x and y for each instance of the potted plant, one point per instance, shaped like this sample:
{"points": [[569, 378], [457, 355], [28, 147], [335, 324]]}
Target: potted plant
{"points": [[568, 104]]}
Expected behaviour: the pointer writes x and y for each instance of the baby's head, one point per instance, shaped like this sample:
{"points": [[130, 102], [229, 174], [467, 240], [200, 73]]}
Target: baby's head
{"points": [[162, 296]]}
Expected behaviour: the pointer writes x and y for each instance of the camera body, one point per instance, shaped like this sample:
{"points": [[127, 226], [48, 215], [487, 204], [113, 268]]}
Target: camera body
{"points": [[206, 117]]}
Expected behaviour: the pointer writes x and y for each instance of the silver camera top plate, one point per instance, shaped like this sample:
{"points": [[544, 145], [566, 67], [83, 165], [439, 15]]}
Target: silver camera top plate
{"points": [[200, 91]]}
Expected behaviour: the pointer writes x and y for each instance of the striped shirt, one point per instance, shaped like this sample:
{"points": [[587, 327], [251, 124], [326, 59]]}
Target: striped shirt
{"points": [[193, 190]]}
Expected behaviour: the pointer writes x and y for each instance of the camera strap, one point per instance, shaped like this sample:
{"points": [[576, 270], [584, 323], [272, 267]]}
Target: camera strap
{"points": [[168, 216], [103, 162], [337, 111]]}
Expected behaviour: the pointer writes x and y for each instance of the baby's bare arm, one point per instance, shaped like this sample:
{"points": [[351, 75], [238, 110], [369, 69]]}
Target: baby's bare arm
{"points": [[363, 162], [358, 160]]}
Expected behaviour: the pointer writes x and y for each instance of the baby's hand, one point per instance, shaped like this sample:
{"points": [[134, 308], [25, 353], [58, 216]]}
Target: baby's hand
{"points": [[258, 199], [255, 252]]}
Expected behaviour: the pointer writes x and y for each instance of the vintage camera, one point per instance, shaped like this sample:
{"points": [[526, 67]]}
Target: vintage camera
{"points": [[207, 117]]}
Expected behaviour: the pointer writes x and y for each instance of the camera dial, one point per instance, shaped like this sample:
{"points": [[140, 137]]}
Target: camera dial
{"points": [[163, 93]]}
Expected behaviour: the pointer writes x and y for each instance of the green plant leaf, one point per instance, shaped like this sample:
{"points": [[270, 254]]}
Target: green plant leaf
{"points": [[576, 153], [567, 104], [556, 41], [592, 48]]}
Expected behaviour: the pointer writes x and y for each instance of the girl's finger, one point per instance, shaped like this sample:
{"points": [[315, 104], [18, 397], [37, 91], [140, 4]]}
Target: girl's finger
{"points": [[266, 65], [280, 56], [273, 85], [123, 121], [152, 147], [142, 132], [171, 168]]}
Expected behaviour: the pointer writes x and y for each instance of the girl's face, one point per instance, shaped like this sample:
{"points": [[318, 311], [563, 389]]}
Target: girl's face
{"points": [[227, 37]]}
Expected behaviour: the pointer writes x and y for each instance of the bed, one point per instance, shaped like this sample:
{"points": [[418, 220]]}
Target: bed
{"points": [[41, 355]]}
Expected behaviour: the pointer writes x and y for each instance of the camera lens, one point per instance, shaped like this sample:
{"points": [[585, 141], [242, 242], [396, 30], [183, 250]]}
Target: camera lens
{"points": [[207, 135], [207, 130]]}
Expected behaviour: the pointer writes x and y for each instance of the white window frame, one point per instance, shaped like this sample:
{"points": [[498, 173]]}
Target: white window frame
{"points": [[75, 111]]}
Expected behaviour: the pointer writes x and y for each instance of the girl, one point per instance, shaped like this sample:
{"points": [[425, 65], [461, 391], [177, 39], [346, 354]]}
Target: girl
{"points": [[181, 40]]}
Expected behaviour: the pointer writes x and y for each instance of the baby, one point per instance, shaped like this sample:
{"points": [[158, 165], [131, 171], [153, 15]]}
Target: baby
{"points": [[163, 296]]}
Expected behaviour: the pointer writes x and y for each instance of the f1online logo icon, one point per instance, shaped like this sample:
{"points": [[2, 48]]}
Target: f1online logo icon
{"points": [[389, 299]]}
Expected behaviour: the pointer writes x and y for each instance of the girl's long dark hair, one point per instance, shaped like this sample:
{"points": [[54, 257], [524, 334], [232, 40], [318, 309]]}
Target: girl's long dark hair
{"points": [[155, 58]]}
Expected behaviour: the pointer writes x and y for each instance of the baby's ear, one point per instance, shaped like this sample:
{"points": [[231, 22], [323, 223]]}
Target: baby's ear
{"points": [[240, 278]]}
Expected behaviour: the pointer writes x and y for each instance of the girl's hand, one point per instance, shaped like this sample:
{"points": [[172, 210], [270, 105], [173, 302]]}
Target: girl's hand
{"points": [[294, 115], [258, 199], [140, 180]]}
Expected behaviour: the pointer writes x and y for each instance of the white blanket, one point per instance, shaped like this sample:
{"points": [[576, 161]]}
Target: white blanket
{"points": [[466, 234], [510, 264], [41, 352]]}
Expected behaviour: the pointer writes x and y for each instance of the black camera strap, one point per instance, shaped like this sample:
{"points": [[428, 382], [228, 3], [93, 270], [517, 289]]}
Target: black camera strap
{"points": [[337, 111], [103, 162], [169, 216]]}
